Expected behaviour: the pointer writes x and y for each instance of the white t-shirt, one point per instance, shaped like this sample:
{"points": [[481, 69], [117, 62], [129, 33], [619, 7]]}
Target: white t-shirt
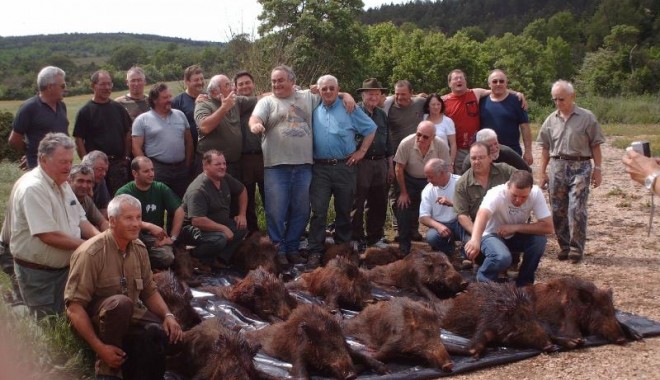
{"points": [[429, 206], [504, 212], [444, 128]]}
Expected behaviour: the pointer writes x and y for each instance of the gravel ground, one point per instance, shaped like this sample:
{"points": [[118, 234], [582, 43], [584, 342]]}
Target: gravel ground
{"points": [[620, 256]]}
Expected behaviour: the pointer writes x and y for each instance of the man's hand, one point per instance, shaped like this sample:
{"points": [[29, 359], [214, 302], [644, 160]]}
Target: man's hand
{"points": [[596, 178], [443, 230], [172, 329], [356, 157], [507, 230], [472, 249], [444, 201], [158, 232], [229, 101], [257, 128], [349, 102], [111, 355], [403, 201], [165, 241], [545, 181], [201, 98], [241, 222], [529, 159]]}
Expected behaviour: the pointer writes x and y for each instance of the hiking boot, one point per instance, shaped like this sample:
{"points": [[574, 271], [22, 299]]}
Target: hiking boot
{"points": [[282, 260], [575, 257], [295, 258], [563, 255], [314, 260]]}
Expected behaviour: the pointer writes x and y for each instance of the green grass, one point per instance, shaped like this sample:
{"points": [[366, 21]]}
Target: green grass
{"points": [[46, 346]]}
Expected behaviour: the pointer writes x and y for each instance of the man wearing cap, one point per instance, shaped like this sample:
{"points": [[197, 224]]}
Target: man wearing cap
{"points": [[374, 172], [335, 159]]}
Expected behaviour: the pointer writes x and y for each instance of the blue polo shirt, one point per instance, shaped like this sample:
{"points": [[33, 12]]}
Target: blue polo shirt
{"points": [[335, 129], [34, 120]]}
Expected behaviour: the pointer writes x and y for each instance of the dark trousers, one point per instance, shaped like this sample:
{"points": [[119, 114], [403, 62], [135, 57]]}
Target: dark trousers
{"points": [[173, 175], [327, 181], [252, 175], [408, 215], [370, 200]]}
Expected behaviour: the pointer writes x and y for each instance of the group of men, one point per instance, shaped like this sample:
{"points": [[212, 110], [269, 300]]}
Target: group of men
{"points": [[198, 168]]}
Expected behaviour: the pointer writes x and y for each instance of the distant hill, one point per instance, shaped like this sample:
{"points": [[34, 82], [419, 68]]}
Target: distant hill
{"points": [[494, 17]]}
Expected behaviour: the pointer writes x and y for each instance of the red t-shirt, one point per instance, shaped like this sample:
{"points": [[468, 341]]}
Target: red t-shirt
{"points": [[464, 111]]}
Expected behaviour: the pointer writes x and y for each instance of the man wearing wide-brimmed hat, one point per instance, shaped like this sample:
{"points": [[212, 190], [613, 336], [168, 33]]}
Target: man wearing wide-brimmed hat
{"points": [[374, 173]]}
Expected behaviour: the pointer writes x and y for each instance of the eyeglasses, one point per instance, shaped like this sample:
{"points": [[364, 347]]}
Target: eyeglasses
{"points": [[555, 100], [424, 137], [496, 81]]}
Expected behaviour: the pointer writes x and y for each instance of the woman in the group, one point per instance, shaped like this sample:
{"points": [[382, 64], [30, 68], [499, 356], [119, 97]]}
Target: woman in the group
{"points": [[434, 109]]}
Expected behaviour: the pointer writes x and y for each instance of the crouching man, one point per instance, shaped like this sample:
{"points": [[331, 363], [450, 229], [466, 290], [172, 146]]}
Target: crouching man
{"points": [[109, 282], [502, 227]]}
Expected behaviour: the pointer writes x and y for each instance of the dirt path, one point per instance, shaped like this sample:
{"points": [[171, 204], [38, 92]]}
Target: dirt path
{"points": [[619, 255]]}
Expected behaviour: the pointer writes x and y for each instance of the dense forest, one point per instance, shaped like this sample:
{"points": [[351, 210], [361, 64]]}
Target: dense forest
{"points": [[608, 47]]}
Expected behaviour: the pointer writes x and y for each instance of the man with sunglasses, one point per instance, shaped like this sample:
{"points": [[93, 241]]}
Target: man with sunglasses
{"points": [[502, 112], [410, 158], [41, 114], [335, 164], [571, 137]]}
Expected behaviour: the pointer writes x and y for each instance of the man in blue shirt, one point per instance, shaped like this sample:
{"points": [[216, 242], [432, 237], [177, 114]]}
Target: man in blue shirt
{"points": [[335, 163], [502, 112]]}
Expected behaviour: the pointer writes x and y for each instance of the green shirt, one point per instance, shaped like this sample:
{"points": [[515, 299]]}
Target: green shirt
{"points": [[469, 193], [154, 201]]}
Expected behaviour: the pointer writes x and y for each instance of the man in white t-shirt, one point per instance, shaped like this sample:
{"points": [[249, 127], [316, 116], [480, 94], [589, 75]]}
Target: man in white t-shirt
{"points": [[502, 227], [436, 210]]}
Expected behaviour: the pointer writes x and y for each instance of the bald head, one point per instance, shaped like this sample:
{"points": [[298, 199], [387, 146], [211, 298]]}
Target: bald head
{"points": [[219, 84]]}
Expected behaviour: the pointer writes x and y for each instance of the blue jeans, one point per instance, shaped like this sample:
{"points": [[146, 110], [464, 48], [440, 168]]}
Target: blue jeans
{"points": [[287, 204], [497, 256], [445, 244]]}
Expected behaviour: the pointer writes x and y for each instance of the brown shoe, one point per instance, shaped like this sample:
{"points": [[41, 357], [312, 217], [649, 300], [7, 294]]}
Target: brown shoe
{"points": [[563, 255]]}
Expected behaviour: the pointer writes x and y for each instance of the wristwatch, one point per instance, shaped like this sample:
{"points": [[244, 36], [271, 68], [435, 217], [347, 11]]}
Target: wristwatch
{"points": [[649, 182]]}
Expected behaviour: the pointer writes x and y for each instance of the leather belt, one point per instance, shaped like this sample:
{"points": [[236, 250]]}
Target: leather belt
{"points": [[571, 158], [167, 163], [375, 157], [332, 161], [35, 266]]}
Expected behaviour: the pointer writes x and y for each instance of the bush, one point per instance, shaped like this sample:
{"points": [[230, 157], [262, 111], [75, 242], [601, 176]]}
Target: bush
{"points": [[7, 152]]}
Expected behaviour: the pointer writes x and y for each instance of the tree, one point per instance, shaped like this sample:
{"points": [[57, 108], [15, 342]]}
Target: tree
{"points": [[126, 56], [316, 37]]}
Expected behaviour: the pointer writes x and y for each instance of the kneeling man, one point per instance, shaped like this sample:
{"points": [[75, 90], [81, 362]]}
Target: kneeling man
{"points": [[502, 227], [207, 206], [109, 274], [436, 210]]}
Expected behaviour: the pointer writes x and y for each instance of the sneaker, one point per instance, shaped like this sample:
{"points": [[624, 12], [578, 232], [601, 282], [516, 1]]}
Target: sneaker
{"points": [[282, 260], [314, 260], [563, 255], [381, 244], [295, 258], [466, 264]]}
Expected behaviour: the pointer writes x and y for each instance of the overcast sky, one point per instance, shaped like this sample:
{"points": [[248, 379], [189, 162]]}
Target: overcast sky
{"points": [[215, 20]]}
